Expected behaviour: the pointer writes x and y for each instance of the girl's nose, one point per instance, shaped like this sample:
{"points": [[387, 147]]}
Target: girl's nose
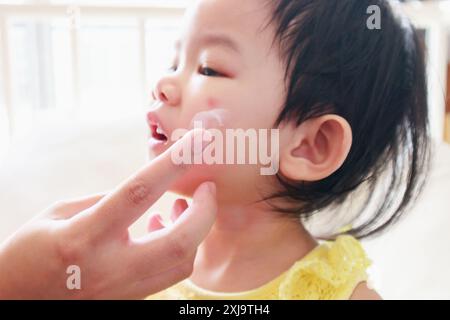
{"points": [[167, 93]]}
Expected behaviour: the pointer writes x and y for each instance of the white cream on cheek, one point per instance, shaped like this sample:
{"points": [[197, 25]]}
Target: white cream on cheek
{"points": [[212, 119]]}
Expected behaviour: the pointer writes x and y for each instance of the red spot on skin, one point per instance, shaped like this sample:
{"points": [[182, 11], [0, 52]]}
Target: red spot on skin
{"points": [[212, 103]]}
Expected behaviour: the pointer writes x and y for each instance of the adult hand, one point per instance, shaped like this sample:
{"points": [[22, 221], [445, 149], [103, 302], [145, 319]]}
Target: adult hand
{"points": [[92, 234]]}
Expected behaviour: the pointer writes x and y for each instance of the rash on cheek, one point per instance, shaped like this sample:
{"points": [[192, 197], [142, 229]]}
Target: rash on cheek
{"points": [[212, 103]]}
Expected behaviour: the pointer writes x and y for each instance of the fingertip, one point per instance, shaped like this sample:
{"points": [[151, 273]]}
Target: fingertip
{"points": [[212, 188], [208, 187], [205, 197], [181, 203], [197, 139], [155, 223], [178, 208]]}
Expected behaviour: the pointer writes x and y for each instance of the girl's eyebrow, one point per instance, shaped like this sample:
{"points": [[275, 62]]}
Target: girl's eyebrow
{"points": [[213, 39]]}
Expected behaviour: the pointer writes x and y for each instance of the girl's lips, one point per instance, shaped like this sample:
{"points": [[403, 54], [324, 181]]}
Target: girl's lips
{"points": [[157, 131]]}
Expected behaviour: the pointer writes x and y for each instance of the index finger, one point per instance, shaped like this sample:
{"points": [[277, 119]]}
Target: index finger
{"points": [[121, 208]]}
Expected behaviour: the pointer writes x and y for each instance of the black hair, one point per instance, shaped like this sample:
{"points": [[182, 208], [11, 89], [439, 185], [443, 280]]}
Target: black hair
{"points": [[373, 78]]}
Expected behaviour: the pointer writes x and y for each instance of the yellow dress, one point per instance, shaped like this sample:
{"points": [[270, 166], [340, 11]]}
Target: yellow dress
{"points": [[332, 270]]}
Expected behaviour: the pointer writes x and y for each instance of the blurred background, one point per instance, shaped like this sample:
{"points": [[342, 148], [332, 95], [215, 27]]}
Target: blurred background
{"points": [[75, 81]]}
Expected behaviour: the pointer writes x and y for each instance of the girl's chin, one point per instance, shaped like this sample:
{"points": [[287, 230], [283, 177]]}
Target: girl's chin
{"points": [[187, 185]]}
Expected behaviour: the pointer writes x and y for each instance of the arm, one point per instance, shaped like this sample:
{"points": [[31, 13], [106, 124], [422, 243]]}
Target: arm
{"points": [[362, 292], [92, 235]]}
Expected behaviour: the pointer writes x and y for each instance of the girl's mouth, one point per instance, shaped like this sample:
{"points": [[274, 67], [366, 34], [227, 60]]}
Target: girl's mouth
{"points": [[158, 133]]}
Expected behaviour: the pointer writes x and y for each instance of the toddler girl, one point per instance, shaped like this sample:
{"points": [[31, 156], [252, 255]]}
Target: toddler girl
{"points": [[349, 102]]}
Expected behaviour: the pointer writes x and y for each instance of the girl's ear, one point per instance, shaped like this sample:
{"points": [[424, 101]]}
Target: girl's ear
{"points": [[315, 149]]}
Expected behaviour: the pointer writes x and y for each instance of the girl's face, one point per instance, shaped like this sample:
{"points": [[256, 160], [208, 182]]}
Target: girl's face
{"points": [[224, 60]]}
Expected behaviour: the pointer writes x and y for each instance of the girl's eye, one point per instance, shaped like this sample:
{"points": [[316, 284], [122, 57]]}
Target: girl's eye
{"points": [[172, 68], [208, 72]]}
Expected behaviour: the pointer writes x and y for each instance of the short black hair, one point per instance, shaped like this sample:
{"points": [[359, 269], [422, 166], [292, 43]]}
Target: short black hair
{"points": [[376, 80]]}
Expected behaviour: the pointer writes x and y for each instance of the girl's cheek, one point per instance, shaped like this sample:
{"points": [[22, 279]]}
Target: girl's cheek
{"points": [[212, 103], [215, 118]]}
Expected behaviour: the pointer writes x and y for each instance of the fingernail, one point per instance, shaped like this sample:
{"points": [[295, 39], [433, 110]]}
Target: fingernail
{"points": [[212, 188]]}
